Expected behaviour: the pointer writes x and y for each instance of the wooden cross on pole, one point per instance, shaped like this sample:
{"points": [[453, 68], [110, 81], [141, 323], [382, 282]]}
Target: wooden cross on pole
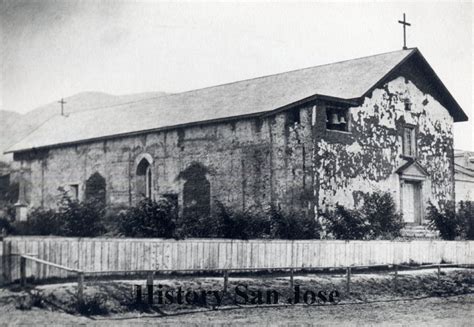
{"points": [[405, 24], [62, 102]]}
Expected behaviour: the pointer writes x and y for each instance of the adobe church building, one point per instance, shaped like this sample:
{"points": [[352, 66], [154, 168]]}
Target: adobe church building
{"points": [[302, 140]]}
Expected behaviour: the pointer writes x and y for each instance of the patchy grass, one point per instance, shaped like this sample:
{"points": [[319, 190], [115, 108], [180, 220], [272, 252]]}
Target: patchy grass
{"points": [[112, 298]]}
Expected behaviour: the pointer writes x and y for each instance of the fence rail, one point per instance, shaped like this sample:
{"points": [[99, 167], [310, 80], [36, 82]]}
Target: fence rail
{"points": [[2, 259], [80, 274], [112, 254], [288, 271]]}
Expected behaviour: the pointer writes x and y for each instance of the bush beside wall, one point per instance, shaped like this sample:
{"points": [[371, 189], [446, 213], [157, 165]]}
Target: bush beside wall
{"points": [[253, 223], [376, 218], [72, 218], [451, 222], [148, 219]]}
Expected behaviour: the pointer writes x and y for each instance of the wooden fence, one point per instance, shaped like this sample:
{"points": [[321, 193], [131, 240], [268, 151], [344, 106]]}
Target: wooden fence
{"points": [[2, 272], [114, 254]]}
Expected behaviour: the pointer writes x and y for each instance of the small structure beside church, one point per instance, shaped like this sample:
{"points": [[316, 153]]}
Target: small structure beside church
{"points": [[464, 175], [302, 140]]}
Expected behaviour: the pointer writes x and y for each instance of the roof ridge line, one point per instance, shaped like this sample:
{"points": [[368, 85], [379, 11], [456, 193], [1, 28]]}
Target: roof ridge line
{"points": [[463, 167], [289, 71], [229, 83], [106, 107]]}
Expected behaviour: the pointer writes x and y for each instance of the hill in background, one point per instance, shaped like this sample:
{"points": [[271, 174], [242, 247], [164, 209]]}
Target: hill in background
{"points": [[15, 126]]}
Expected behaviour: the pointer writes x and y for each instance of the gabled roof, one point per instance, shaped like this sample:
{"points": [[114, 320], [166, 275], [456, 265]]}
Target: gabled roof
{"points": [[458, 169], [346, 80], [412, 168]]}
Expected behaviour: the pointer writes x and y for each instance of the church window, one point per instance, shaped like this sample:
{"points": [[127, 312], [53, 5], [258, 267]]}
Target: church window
{"points": [[196, 192], [409, 141], [74, 191], [144, 179], [173, 199], [96, 188], [148, 182], [337, 118], [293, 117], [407, 104]]}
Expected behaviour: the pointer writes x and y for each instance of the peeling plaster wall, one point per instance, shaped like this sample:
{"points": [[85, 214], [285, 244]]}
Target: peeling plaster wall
{"points": [[249, 162], [464, 188], [281, 159], [366, 158]]}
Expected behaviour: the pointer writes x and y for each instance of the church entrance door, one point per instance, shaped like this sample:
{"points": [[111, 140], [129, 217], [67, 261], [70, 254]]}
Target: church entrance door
{"points": [[411, 198]]}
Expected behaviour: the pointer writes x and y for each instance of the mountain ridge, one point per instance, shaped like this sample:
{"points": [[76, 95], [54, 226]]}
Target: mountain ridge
{"points": [[14, 126]]}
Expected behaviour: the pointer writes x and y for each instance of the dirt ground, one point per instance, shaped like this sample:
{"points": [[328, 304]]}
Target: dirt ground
{"points": [[418, 299]]}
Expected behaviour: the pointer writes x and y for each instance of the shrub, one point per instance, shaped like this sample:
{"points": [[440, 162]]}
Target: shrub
{"points": [[450, 223], [195, 224], [292, 226], [93, 305], [224, 223], [10, 194], [444, 219], [251, 223], [82, 219], [346, 224], [380, 211], [40, 222], [5, 226], [242, 224], [111, 219], [376, 218], [148, 219], [466, 217], [7, 217]]}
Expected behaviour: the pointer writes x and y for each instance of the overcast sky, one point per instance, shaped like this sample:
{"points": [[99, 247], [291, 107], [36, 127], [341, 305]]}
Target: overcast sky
{"points": [[54, 49]]}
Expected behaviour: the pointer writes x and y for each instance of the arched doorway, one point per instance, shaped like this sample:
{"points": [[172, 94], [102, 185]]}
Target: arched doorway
{"points": [[196, 191], [96, 188], [144, 180]]}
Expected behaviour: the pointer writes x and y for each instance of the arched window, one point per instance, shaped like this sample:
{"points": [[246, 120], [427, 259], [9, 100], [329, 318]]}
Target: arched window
{"points": [[148, 182], [144, 178], [196, 191], [95, 188]]}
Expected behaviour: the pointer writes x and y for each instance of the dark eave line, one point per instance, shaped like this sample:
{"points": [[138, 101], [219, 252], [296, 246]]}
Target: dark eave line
{"points": [[452, 106], [381, 80], [191, 124]]}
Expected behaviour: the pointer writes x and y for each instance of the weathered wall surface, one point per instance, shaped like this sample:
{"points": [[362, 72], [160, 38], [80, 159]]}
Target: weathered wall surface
{"points": [[366, 159], [464, 176], [464, 188], [281, 158], [247, 162]]}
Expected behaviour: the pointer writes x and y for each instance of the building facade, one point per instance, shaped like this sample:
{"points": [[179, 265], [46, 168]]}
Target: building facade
{"points": [[464, 175], [299, 142]]}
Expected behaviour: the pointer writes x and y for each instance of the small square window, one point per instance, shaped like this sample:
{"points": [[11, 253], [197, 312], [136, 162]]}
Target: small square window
{"points": [[74, 191], [337, 118], [407, 104], [409, 141], [293, 118]]}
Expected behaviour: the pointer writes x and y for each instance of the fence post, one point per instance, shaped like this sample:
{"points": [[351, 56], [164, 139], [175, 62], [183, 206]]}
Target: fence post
{"points": [[292, 278], [395, 278], [22, 271], [80, 286], [226, 280], [348, 285], [138, 294], [149, 285], [439, 273]]}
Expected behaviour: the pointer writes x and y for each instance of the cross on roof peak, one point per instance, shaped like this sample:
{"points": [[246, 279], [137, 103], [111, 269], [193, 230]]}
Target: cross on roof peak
{"points": [[62, 102], [405, 24]]}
